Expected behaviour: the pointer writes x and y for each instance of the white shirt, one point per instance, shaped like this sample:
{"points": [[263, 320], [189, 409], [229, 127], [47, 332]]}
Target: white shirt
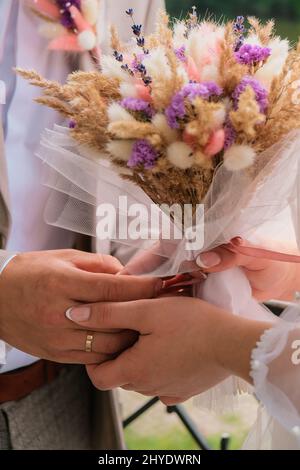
{"points": [[24, 120]]}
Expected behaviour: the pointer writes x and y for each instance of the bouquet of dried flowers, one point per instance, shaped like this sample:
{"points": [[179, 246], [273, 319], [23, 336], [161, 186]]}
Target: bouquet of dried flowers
{"points": [[170, 108], [198, 112], [69, 25]]}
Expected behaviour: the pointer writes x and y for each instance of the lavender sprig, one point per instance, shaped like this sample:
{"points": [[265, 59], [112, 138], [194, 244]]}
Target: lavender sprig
{"points": [[239, 30], [192, 21], [118, 56], [180, 53]]}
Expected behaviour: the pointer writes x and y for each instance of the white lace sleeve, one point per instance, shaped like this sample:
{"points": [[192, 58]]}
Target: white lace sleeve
{"points": [[275, 369]]}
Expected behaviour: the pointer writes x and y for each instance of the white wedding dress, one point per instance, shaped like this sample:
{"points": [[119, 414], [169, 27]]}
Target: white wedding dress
{"points": [[276, 375]]}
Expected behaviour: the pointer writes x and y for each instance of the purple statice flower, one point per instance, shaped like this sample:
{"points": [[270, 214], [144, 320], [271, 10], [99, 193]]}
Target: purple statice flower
{"points": [[72, 124], [142, 154], [176, 110], [230, 134], [261, 93], [250, 54], [139, 105], [203, 90], [180, 53], [66, 18]]}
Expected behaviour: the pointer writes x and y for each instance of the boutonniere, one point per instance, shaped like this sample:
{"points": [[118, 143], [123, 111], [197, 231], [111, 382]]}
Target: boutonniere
{"points": [[69, 25]]}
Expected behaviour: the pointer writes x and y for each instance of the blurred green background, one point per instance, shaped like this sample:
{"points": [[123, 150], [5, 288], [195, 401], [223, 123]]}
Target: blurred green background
{"points": [[285, 12]]}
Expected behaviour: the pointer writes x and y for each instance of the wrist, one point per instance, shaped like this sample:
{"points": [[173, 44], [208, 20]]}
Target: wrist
{"points": [[236, 339], [291, 283]]}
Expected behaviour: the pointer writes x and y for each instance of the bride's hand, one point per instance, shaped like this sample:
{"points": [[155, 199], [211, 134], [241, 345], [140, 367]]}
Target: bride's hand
{"points": [[269, 279], [185, 346]]}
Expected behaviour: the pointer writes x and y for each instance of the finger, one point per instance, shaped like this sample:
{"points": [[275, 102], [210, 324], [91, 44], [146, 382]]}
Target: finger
{"points": [[96, 263], [80, 357], [136, 315], [104, 343], [221, 259], [146, 393], [171, 401], [109, 375], [91, 287], [149, 261]]}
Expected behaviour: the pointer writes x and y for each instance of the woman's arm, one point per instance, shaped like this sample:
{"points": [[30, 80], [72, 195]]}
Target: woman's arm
{"points": [[268, 356]]}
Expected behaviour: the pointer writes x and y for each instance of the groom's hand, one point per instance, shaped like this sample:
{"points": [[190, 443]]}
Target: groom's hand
{"points": [[36, 289], [175, 355]]}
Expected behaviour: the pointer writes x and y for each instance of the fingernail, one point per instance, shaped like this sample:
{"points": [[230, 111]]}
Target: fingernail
{"points": [[208, 260], [79, 314]]}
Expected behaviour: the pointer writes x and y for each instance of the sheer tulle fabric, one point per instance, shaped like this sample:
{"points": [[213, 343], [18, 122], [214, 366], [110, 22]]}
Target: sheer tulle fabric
{"points": [[276, 376], [263, 205]]}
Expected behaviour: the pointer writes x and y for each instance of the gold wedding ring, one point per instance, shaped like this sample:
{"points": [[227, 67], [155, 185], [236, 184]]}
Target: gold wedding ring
{"points": [[89, 343]]}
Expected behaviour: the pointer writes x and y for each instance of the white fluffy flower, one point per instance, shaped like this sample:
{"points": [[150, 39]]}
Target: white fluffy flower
{"points": [[87, 40], [121, 149], [111, 68], [239, 157], [253, 39], [210, 73], [128, 90], [219, 117], [90, 10], [203, 45], [274, 65], [116, 113], [180, 155], [157, 65], [182, 73], [160, 121], [179, 34]]}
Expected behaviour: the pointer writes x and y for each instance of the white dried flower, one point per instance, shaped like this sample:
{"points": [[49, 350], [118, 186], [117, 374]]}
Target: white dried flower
{"points": [[157, 65], [160, 121], [180, 155], [274, 65], [116, 113], [121, 149], [111, 68], [87, 40], [239, 157], [128, 90]]}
